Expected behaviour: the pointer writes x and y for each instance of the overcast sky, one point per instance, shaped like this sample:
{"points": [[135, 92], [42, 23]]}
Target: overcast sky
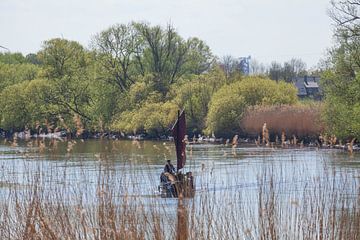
{"points": [[265, 29]]}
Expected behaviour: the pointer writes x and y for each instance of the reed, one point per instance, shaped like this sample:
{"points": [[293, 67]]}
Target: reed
{"points": [[44, 209], [301, 121]]}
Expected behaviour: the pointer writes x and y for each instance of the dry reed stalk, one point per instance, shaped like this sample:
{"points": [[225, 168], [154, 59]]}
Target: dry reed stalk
{"points": [[234, 144], [283, 138], [63, 124], [47, 210], [49, 126], [14, 142], [351, 146], [265, 135], [79, 125], [295, 140]]}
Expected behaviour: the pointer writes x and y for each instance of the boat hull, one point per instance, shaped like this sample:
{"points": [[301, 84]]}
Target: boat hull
{"points": [[177, 185]]}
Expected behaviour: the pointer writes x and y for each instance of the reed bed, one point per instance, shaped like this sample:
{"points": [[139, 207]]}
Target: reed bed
{"points": [[300, 120], [52, 202]]}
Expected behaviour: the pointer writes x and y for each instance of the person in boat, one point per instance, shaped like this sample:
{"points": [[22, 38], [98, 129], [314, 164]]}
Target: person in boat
{"points": [[169, 168]]}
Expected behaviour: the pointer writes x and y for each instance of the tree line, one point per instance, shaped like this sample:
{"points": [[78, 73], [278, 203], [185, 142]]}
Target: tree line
{"points": [[134, 78]]}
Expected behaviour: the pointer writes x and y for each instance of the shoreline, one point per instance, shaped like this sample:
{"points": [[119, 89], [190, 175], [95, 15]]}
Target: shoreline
{"points": [[63, 136]]}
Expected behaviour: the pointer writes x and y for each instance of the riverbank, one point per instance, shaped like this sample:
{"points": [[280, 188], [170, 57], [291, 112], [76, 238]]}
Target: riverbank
{"points": [[234, 142]]}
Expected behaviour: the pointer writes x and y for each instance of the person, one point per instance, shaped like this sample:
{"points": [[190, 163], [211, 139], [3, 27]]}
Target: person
{"points": [[169, 168]]}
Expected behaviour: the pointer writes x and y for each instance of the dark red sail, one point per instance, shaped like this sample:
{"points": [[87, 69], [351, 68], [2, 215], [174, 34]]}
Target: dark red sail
{"points": [[179, 132]]}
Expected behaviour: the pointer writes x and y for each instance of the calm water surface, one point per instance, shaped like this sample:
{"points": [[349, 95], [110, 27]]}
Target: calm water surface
{"points": [[216, 167], [234, 179]]}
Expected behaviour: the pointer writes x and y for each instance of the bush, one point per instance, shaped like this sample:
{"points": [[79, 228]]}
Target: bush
{"points": [[227, 106], [153, 119]]}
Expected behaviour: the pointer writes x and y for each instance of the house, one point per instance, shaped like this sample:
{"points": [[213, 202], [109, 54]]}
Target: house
{"points": [[308, 87]]}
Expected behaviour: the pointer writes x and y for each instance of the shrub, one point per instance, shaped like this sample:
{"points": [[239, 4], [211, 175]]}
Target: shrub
{"points": [[227, 106]]}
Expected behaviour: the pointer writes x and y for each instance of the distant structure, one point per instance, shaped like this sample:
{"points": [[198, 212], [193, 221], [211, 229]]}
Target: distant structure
{"points": [[308, 87], [244, 65]]}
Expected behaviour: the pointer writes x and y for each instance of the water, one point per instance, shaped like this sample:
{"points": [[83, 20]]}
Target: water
{"points": [[75, 170], [216, 167]]}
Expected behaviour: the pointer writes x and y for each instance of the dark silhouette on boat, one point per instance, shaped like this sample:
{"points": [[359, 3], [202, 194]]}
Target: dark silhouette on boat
{"points": [[176, 183]]}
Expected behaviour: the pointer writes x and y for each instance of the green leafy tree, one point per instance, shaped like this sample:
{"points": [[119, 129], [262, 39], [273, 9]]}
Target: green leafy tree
{"points": [[12, 58], [16, 73], [13, 107], [68, 66], [341, 81], [229, 102], [117, 49], [195, 94], [153, 119]]}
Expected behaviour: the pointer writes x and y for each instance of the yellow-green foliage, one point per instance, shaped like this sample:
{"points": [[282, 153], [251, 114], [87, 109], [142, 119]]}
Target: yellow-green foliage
{"points": [[152, 118], [194, 96], [229, 103], [24, 103], [15, 73], [341, 111]]}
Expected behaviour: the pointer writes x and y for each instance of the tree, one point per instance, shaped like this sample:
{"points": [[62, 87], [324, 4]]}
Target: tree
{"points": [[67, 65], [342, 81], [16, 73], [229, 103], [117, 48], [164, 54], [12, 58], [288, 71], [194, 95], [275, 71], [199, 58], [257, 68], [230, 66]]}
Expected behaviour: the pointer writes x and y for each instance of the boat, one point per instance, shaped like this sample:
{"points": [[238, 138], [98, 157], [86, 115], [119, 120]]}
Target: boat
{"points": [[178, 184]]}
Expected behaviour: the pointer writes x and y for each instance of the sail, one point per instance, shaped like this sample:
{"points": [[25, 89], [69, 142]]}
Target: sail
{"points": [[179, 132]]}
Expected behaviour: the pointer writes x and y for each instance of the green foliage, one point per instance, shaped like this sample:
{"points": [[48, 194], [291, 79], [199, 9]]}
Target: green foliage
{"points": [[151, 118], [61, 57], [118, 49], [229, 103], [13, 111], [16, 73], [341, 82], [194, 96], [68, 66], [134, 79], [24, 104], [341, 111], [12, 58]]}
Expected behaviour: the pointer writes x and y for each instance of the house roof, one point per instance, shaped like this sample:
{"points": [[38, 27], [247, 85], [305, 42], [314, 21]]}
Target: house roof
{"points": [[306, 82]]}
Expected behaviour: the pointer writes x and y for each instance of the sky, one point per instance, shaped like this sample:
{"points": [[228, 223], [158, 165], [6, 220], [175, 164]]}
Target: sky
{"points": [[267, 30]]}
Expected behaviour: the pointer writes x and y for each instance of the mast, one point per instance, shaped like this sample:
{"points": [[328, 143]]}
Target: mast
{"points": [[179, 131]]}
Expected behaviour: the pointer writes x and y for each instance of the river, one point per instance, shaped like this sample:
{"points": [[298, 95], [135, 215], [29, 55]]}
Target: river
{"points": [[241, 180]]}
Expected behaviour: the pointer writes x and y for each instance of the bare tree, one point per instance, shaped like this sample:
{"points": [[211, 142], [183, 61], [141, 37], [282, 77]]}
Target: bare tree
{"points": [[257, 68], [346, 15]]}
